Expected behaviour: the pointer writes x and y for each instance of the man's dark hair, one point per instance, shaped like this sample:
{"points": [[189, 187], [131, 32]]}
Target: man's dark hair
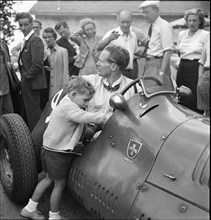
{"points": [[61, 24], [37, 21], [118, 55], [23, 15], [50, 30]]}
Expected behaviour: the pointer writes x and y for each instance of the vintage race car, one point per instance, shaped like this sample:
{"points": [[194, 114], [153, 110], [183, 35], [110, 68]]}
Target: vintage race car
{"points": [[151, 160]]}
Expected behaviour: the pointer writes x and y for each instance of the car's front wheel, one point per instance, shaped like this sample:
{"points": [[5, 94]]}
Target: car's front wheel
{"points": [[18, 164]]}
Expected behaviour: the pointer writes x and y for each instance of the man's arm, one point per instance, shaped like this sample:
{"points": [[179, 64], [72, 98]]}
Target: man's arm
{"points": [[166, 34], [141, 38], [201, 63], [70, 49], [76, 37], [37, 53], [200, 70], [166, 61], [107, 40], [139, 49], [139, 53], [65, 68], [72, 56]]}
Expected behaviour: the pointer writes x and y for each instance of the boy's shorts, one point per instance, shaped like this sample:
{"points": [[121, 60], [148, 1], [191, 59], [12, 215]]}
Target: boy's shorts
{"points": [[57, 165]]}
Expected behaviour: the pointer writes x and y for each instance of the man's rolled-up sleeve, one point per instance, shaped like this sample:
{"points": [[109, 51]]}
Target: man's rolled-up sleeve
{"points": [[167, 39]]}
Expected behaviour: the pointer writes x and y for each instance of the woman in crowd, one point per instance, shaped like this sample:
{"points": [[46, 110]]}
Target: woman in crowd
{"points": [[87, 40], [57, 62], [190, 45]]}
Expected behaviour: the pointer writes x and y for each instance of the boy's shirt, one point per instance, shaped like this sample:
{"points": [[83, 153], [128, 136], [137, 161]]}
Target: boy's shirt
{"points": [[66, 125]]}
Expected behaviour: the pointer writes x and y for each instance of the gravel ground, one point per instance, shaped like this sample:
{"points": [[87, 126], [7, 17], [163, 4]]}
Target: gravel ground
{"points": [[69, 207]]}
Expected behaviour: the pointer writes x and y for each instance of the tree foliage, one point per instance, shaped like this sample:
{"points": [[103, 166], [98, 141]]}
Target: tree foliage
{"points": [[6, 16]]}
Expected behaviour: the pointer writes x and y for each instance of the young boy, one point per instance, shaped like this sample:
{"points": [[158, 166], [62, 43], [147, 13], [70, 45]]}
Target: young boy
{"points": [[61, 136]]}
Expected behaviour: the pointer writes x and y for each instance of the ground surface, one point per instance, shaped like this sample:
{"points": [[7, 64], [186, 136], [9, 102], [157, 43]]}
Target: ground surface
{"points": [[69, 208]]}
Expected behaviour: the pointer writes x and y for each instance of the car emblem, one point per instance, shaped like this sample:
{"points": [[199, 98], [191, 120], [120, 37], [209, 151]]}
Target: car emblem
{"points": [[133, 148]]}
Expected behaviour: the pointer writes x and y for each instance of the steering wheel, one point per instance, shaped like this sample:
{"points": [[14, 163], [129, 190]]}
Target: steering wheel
{"points": [[153, 78], [130, 85]]}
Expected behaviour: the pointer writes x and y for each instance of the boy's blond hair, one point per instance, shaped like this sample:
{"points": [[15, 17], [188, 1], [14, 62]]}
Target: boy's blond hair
{"points": [[77, 83]]}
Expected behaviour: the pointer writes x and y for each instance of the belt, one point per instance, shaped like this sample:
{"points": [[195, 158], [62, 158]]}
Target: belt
{"points": [[153, 58], [206, 68], [189, 61]]}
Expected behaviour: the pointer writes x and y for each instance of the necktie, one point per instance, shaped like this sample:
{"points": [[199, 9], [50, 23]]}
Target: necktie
{"points": [[23, 44], [110, 88], [148, 40], [21, 51]]}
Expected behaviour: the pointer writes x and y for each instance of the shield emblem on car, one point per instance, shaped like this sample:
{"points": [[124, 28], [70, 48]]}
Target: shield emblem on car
{"points": [[133, 148]]}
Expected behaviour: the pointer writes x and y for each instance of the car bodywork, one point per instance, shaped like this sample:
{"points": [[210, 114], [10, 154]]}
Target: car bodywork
{"points": [[151, 161]]}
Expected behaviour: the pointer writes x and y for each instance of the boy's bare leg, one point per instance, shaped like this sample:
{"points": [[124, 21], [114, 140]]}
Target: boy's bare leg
{"points": [[30, 210], [41, 187], [57, 194]]}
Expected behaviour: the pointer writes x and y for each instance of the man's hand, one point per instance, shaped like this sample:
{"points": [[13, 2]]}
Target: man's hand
{"points": [[75, 57], [114, 35], [48, 68], [9, 64]]}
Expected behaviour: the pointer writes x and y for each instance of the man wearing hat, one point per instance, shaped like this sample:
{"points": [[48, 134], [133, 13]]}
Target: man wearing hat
{"points": [[160, 40]]}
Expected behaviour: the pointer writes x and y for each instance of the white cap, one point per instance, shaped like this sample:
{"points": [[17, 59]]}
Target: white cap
{"points": [[149, 3]]}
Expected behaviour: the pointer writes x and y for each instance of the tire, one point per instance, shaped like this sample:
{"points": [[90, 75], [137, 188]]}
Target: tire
{"points": [[18, 158]]}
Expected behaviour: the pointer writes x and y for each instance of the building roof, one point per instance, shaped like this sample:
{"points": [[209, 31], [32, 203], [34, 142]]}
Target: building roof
{"points": [[111, 7]]}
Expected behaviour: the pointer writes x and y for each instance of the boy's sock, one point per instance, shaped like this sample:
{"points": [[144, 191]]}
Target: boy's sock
{"points": [[54, 215], [31, 206]]}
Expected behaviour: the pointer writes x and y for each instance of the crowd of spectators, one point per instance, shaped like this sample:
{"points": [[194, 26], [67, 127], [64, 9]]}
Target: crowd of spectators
{"points": [[46, 63]]}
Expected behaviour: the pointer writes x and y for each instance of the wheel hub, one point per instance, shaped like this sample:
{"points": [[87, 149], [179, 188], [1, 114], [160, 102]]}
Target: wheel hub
{"points": [[6, 166]]}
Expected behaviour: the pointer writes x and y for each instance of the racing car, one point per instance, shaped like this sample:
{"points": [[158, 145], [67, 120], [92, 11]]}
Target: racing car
{"points": [[150, 161]]}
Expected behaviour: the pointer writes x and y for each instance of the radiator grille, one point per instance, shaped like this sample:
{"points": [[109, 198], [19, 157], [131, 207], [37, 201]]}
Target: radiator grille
{"points": [[77, 178], [104, 196]]}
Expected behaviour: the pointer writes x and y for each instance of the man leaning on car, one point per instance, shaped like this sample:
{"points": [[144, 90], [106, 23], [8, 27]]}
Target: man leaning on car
{"points": [[109, 80]]}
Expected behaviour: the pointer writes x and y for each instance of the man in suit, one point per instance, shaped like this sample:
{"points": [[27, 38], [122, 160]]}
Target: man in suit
{"points": [[36, 26], [6, 105], [62, 29], [31, 68]]}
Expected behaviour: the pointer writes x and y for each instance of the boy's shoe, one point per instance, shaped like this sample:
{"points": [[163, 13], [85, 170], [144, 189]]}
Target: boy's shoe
{"points": [[58, 218], [31, 215]]}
